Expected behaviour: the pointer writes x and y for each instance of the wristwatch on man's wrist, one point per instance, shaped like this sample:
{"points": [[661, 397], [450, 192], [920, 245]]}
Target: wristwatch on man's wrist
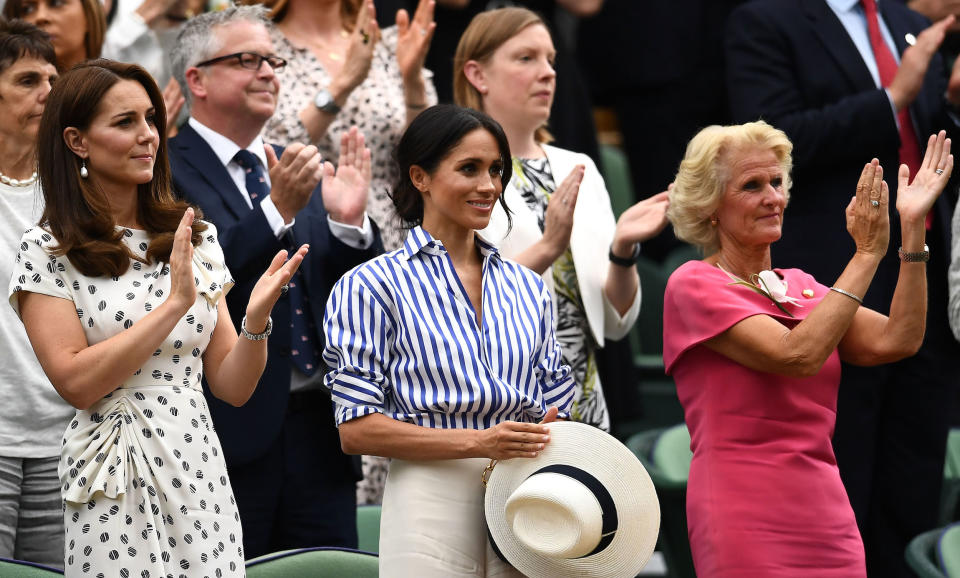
{"points": [[324, 101]]}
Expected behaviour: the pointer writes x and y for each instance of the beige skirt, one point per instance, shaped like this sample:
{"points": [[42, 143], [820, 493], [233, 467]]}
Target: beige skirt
{"points": [[433, 525]]}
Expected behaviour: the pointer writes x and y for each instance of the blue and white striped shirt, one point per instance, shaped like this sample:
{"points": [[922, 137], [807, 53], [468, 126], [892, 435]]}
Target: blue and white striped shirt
{"points": [[404, 341]]}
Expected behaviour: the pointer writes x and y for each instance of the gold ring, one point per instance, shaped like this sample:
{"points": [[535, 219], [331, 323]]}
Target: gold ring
{"points": [[366, 36]]}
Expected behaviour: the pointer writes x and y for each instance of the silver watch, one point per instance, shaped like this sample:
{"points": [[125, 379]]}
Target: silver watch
{"points": [[324, 101], [256, 336]]}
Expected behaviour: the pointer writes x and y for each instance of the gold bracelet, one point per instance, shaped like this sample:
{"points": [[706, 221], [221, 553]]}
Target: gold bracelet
{"points": [[848, 294]]}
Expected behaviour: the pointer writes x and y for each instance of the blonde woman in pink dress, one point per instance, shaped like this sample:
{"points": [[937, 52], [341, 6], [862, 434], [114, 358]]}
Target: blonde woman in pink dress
{"points": [[755, 351]]}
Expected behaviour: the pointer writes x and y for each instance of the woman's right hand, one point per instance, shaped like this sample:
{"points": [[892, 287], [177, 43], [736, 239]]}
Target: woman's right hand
{"points": [[558, 219], [183, 287], [869, 225], [512, 439], [359, 56]]}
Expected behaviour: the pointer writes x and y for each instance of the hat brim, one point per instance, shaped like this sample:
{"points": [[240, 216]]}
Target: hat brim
{"points": [[615, 466]]}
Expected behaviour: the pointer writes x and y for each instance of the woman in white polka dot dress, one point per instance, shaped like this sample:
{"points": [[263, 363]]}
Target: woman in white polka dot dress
{"points": [[121, 293]]}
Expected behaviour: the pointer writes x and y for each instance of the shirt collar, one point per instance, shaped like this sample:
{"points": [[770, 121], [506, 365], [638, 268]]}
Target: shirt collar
{"points": [[419, 240], [845, 5], [224, 148]]}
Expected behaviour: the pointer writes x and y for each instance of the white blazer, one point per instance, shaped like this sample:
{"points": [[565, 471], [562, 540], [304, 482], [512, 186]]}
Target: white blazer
{"points": [[593, 228]]}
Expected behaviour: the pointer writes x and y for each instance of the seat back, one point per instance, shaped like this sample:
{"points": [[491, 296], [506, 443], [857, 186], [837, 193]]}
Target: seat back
{"points": [[22, 569], [314, 563], [368, 528], [948, 551], [616, 176], [654, 448], [921, 555], [671, 453]]}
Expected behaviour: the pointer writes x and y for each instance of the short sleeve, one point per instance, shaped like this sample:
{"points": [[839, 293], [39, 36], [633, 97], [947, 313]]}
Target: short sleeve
{"points": [[700, 303], [210, 268], [555, 378], [37, 269], [357, 331]]}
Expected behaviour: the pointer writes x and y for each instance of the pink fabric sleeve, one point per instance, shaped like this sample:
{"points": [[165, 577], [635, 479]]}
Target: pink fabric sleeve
{"points": [[700, 303]]}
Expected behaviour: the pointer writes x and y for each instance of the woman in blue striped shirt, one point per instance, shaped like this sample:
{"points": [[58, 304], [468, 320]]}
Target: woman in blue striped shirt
{"points": [[443, 353]]}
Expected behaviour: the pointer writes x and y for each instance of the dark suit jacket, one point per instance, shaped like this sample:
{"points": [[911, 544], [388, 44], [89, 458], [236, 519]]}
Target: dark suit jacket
{"points": [[792, 63], [248, 245]]}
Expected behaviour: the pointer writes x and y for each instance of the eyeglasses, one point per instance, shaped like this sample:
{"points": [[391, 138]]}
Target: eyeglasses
{"points": [[249, 60]]}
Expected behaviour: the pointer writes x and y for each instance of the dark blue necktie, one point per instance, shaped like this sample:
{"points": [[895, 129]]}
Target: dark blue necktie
{"points": [[303, 351]]}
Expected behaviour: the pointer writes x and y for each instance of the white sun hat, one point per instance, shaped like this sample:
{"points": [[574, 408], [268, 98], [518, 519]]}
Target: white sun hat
{"points": [[584, 507]]}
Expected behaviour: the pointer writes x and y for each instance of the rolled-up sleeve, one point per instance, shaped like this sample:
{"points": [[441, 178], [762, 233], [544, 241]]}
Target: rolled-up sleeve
{"points": [[358, 336], [555, 378]]}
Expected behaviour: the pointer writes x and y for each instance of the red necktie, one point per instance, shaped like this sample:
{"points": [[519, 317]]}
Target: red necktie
{"points": [[887, 67]]}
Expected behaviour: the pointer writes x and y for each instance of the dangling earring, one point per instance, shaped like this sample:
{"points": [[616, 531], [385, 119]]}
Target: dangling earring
{"points": [[84, 173]]}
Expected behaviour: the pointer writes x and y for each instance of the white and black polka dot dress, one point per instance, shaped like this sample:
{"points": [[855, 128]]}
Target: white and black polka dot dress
{"points": [[145, 486]]}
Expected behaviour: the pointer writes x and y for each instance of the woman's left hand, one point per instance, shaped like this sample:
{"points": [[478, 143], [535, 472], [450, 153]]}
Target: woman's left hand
{"points": [[643, 220], [413, 39], [915, 199], [270, 286]]}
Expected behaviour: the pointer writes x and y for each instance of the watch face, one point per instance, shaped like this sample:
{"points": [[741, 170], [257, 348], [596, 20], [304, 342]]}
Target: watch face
{"points": [[324, 101]]}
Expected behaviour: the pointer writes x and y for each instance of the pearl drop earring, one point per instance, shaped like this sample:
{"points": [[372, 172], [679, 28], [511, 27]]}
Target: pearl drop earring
{"points": [[84, 173]]}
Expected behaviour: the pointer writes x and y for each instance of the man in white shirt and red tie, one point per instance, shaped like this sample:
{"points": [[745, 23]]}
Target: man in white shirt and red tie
{"points": [[849, 80]]}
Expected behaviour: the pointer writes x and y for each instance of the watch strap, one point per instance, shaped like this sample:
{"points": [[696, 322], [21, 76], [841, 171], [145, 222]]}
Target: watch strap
{"points": [[915, 257], [625, 261]]}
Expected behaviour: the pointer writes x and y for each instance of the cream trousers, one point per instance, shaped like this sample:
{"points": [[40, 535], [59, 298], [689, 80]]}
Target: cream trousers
{"points": [[432, 525]]}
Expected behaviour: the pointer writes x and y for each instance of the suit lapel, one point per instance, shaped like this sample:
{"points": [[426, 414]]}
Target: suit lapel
{"points": [[197, 153], [834, 37]]}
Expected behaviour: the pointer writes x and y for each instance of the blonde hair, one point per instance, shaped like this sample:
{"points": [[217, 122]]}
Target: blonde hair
{"points": [[487, 32], [705, 171]]}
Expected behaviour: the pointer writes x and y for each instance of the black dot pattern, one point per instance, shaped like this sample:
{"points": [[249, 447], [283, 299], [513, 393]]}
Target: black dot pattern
{"points": [[134, 466]]}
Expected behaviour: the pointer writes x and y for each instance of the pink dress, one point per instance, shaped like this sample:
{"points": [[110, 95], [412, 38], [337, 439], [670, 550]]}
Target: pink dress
{"points": [[764, 496]]}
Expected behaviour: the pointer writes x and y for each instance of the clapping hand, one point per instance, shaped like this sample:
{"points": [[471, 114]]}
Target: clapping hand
{"points": [[916, 198], [413, 39], [642, 221], [558, 219], [293, 177], [270, 286], [173, 101], [868, 216], [183, 287], [345, 190], [359, 56]]}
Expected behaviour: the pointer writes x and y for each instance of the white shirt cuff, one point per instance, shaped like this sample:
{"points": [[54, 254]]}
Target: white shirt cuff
{"points": [[274, 219], [351, 235]]}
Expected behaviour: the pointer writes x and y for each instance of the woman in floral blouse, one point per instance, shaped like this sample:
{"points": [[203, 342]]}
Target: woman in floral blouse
{"points": [[342, 70]]}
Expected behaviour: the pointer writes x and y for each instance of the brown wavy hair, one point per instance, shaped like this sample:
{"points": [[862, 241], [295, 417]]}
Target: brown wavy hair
{"points": [[92, 12], [78, 212], [349, 9], [487, 32]]}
